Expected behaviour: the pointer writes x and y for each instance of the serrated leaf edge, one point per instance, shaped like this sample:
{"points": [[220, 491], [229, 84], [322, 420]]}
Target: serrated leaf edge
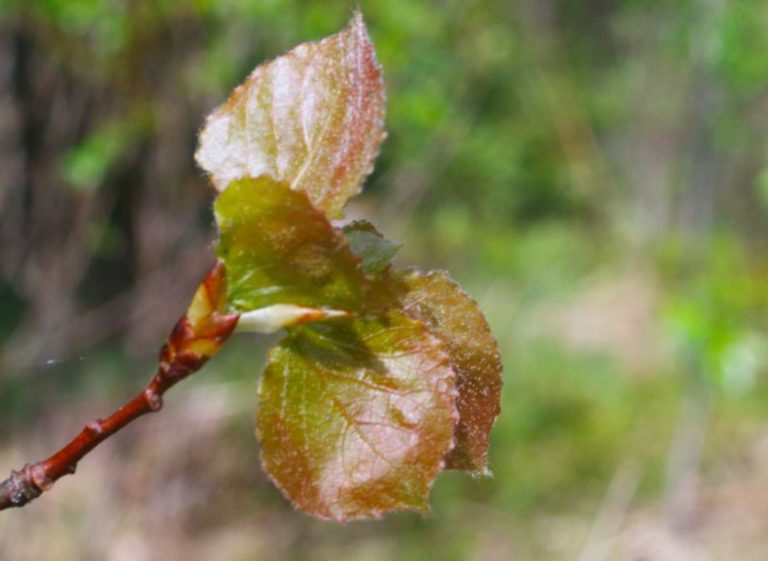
{"points": [[425, 510], [485, 471], [358, 27]]}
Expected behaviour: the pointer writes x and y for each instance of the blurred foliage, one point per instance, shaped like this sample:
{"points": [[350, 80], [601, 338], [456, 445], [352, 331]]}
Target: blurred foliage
{"points": [[536, 148]]}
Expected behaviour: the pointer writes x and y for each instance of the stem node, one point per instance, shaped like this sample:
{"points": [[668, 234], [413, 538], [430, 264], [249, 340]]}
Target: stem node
{"points": [[154, 400]]}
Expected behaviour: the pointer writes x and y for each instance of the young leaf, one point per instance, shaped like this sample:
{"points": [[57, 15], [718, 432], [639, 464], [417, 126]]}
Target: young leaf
{"points": [[279, 249], [356, 417], [312, 118], [279, 316], [384, 378], [374, 250], [457, 320]]}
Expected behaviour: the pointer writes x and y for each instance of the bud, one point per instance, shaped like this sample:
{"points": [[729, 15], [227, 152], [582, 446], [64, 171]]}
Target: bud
{"points": [[276, 317]]}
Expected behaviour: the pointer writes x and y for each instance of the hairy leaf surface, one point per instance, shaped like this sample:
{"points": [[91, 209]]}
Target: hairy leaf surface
{"points": [[279, 249], [312, 118], [456, 319], [356, 416]]}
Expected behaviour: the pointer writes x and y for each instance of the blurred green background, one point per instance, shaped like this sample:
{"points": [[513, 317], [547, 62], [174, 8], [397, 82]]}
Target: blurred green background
{"points": [[595, 173]]}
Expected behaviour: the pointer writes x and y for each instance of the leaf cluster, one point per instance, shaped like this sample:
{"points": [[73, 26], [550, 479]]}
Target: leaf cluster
{"points": [[384, 377]]}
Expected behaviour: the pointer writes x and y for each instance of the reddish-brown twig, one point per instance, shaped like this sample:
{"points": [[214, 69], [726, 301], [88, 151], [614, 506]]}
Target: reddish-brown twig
{"points": [[195, 338]]}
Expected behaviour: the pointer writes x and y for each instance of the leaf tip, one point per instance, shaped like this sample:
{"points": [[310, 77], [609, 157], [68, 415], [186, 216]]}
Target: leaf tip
{"points": [[356, 21]]}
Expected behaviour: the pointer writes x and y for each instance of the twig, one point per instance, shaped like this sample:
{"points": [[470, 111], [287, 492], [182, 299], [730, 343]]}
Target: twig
{"points": [[196, 337]]}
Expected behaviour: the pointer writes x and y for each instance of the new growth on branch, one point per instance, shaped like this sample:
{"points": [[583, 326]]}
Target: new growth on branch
{"points": [[384, 377]]}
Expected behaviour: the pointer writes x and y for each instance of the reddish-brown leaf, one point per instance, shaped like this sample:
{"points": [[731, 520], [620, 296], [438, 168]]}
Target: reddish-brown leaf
{"points": [[356, 417], [312, 118], [456, 319]]}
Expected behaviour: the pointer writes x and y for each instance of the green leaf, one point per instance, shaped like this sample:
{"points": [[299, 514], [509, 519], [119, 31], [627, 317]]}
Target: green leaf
{"points": [[313, 118], [373, 249], [356, 416], [279, 249], [456, 319]]}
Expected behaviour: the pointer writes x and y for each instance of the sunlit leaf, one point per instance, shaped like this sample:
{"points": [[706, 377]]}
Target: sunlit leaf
{"points": [[456, 319], [373, 249], [356, 416], [279, 249], [312, 118]]}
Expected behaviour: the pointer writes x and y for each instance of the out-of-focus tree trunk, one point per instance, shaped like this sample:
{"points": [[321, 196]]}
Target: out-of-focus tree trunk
{"points": [[703, 173], [53, 233]]}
